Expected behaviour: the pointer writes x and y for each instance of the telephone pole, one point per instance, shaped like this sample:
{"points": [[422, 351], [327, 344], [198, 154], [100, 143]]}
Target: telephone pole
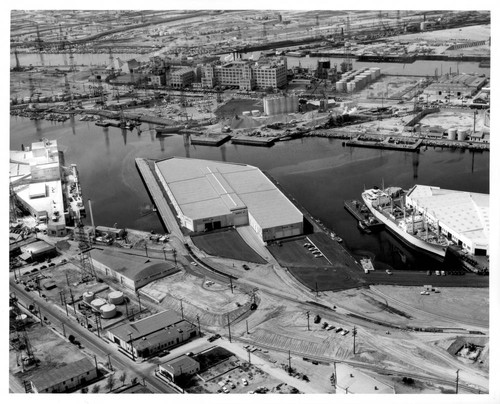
{"points": [[354, 332], [307, 314], [456, 386], [289, 362], [229, 327]]}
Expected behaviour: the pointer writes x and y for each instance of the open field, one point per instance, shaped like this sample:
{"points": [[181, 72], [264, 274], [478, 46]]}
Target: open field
{"points": [[227, 244]]}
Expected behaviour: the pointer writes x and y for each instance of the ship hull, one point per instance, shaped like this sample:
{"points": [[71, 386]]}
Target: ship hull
{"points": [[410, 240]]}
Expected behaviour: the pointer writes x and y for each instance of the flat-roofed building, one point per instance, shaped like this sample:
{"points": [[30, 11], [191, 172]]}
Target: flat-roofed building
{"points": [[183, 365], [152, 334], [464, 217], [182, 77], [210, 195], [64, 379]]}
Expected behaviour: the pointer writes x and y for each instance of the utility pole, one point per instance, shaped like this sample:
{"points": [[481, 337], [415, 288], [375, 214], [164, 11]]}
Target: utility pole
{"points": [[109, 362], [229, 327], [199, 328], [456, 386], [139, 297], [317, 294], [182, 310], [64, 330], [308, 314], [354, 332], [249, 360], [335, 376], [97, 325], [289, 362], [247, 327], [231, 283], [96, 368]]}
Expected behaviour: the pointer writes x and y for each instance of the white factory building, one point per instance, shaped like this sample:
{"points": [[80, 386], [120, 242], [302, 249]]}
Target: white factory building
{"points": [[464, 217], [209, 195]]}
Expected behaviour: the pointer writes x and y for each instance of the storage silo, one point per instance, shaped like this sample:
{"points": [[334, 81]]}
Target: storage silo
{"points": [[98, 303], [461, 135], [452, 134], [351, 86], [115, 297], [289, 105], [295, 103], [88, 297], [255, 112], [108, 311], [341, 85]]}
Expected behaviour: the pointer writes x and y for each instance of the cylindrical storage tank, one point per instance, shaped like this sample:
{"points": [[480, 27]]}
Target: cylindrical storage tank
{"points": [[452, 134], [351, 87], [88, 297], [340, 85], [98, 303], [289, 104], [246, 113], [461, 135], [22, 317], [271, 107], [295, 103], [108, 311], [255, 112], [115, 297]]}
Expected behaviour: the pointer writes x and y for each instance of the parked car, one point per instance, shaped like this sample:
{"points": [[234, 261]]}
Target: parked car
{"points": [[246, 267]]}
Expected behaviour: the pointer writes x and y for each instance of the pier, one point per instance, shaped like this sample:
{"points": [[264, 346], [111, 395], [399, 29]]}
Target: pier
{"points": [[254, 141], [355, 208], [389, 143], [211, 140]]}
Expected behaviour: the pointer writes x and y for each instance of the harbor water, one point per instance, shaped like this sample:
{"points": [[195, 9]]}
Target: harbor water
{"points": [[319, 173]]}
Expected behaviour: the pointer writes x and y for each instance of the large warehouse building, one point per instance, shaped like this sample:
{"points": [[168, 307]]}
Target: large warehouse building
{"points": [[464, 217], [210, 195]]}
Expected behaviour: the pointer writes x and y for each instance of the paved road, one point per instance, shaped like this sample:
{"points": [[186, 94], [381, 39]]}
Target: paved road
{"points": [[158, 198], [92, 342]]}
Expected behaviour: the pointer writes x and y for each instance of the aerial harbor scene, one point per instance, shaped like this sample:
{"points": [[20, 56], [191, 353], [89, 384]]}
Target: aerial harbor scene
{"points": [[250, 202]]}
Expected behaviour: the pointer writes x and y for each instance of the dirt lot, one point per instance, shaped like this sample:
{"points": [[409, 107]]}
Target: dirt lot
{"points": [[237, 106], [457, 119], [227, 244]]}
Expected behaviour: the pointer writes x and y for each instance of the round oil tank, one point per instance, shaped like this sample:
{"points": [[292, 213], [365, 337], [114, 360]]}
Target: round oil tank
{"points": [[108, 311], [246, 113], [98, 303], [452, 134], [115, 297], [88, 297], [22, 317], [461, 135], [341, 86], [351, 86]]}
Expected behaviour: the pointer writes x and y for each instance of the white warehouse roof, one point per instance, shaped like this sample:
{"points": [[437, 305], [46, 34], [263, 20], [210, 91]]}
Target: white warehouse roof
{"points": [[205, 188], [467, 213]]}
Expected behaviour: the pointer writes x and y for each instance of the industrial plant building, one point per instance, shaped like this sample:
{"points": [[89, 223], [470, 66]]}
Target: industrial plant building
{"points": [[209, 195], [35, 184], [464, 217], [64, 379], [145, 337], [281, 105], [458, 85], [131, 271], [246, 75]]}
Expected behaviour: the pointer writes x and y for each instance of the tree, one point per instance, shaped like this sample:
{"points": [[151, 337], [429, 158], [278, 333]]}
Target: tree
{"points": [[95, 389], [84, 390], [110, 383], [71, 339], [133, 381], [123, 377]]}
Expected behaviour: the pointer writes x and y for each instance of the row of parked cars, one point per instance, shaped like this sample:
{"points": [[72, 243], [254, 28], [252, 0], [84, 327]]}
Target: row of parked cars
{"points": [[314, 250]]}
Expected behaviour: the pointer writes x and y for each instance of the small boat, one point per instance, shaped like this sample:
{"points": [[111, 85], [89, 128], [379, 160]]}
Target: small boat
{"points": [[364, 227]]}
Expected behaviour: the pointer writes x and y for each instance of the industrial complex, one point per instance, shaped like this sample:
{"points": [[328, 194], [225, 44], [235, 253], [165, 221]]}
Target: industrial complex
{"points": [[210, 195], [463, 217], [223, 156]]}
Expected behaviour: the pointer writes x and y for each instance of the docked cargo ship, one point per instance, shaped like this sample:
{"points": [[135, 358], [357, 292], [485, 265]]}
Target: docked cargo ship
{"points": [[412, 227]]}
